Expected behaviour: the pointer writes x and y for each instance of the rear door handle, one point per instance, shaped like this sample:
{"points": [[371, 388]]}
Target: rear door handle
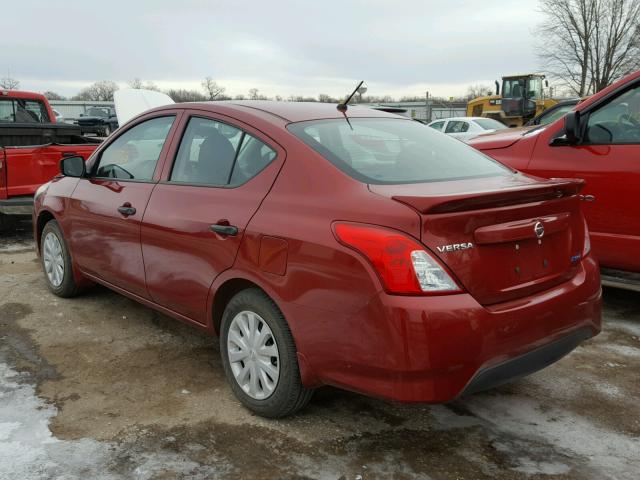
{"points": [[225, 230], [127, 210]]}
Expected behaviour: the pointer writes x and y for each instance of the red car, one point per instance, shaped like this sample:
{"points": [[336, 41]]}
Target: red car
{"points": [[360, 250], [599, 141]]}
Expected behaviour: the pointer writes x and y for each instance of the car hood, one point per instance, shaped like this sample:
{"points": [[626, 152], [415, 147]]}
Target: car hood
{"points": [[499, 138], [131, 102]]}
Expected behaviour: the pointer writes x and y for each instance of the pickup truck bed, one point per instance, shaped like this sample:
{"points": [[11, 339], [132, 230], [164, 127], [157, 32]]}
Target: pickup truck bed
{"points": [[30, 155]]}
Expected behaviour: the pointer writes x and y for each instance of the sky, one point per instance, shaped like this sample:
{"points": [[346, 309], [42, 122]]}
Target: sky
{"points": [[280, 47]]}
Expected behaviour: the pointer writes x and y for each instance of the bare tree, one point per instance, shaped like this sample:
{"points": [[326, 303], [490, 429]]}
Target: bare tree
{"points": [[136, 83], [475, 91], [97, 92], [588, 44], [53, 96], [182, 95], [211, 88], [253, 94], [8, 83]]}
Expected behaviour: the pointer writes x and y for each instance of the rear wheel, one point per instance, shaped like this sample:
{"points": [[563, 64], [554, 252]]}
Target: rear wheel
{"points": [[260, 357], [56, 261]]}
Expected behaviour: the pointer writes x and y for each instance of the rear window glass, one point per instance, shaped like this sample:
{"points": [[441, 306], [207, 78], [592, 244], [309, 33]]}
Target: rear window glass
{"points": [[393, 151], [490, 124], [17, 110]]}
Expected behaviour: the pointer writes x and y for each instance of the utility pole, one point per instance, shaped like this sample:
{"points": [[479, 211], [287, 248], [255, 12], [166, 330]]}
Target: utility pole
{"points": [[427, 107]]}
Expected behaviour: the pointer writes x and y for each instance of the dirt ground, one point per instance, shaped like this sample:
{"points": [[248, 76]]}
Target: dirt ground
{"points": [[101, 387]]}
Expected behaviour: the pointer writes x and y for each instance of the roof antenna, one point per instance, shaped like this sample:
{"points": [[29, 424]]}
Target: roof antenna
{"points": [[361, 89]]}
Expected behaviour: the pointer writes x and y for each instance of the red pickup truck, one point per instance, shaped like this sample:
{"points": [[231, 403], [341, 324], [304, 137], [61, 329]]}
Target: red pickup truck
{"points": [[598, 141], [31, 147]]}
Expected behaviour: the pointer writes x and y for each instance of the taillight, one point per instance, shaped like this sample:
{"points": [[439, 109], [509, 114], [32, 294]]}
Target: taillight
{"points": [[403, 265]]}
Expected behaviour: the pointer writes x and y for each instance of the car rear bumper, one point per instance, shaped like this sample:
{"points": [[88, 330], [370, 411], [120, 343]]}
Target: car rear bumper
{"points": [[17, 205], [433, 349]]}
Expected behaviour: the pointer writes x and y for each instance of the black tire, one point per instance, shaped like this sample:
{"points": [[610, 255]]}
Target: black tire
{"points": [[289, 395], [67, 287]]}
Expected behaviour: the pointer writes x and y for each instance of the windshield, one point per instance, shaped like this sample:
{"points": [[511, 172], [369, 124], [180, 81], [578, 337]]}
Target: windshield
{"points": [[98, 112], [394, 151], [490, 124], [513, 88], [556, 114]]}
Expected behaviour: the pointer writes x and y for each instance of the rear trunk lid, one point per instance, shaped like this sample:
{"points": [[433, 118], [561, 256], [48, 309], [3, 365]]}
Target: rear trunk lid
{"points": [[502, 237]]}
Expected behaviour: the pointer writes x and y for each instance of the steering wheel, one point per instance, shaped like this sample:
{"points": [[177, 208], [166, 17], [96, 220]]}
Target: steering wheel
{"points": [[630, 125]]}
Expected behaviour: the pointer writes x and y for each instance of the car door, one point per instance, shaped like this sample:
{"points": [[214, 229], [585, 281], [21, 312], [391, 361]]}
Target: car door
{"points": [[608, 160], [106, 208], [197, 215]]}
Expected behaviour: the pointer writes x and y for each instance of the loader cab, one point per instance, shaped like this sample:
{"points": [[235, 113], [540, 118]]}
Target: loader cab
{"points": [[520, 94]]}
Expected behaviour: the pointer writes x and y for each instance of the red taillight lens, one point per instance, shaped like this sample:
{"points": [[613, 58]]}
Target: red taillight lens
{"points": [[403, 264]]}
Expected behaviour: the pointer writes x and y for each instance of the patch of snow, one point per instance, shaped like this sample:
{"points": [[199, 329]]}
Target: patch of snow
{"points": [[28, 450], [613, 454], [623, 350]]}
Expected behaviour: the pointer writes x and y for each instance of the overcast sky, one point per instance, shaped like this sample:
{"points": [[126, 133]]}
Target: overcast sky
{"points": [[281, 47]]}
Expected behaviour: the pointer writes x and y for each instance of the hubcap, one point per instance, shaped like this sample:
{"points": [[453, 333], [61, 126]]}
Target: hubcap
{"points": [[53, 260], [253, 355]]}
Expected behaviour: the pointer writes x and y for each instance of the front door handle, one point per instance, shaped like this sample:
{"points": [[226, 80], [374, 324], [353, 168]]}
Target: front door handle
{"points": [[224, 230], [127, 210]]}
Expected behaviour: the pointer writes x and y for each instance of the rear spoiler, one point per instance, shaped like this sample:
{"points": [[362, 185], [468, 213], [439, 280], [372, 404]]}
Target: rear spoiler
{"points": [[550, 190]]}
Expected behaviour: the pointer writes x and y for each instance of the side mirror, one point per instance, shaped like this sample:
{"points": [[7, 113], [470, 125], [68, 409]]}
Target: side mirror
{"points": [[73, 167], [572, 127]]}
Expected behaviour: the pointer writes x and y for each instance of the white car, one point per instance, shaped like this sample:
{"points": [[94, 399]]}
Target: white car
{"points": [[465, 128], [58, 115]]}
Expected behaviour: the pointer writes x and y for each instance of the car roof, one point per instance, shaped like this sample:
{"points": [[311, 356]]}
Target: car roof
{"points": [[288, 111], [21, 94], [466, 119]]}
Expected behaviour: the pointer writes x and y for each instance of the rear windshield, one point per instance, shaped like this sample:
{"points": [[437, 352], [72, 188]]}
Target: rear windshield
{"points": [[394, 151], [18, 110], [490, 124]]}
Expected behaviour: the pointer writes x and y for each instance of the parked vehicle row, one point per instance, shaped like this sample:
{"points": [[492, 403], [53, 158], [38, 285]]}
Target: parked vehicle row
{"points": [[465, 128], [347, 247], [598, 141], [32, 144]]}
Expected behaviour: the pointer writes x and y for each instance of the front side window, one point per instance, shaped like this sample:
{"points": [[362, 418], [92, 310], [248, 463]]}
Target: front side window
{"points": [[216, 154], [394, 151], [135, 153], [534, 90], [437, 125], [513, 88], [618, 121]]}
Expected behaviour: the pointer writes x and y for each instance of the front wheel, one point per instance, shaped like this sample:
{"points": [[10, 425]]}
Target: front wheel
{"points": [[56, 261], [259, 356]]}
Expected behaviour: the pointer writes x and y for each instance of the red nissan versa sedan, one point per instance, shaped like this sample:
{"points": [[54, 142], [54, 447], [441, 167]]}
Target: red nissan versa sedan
{"points": [[363, 250]]}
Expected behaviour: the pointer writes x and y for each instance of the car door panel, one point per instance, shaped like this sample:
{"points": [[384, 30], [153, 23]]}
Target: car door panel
{"points": [[106, 212], [182, 255]]}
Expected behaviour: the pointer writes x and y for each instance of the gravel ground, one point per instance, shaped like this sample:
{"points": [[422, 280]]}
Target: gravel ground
{"points": [[100, 387]]}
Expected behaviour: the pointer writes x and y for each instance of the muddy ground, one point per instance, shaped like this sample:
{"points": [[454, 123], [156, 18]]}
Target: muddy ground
{"points": [[101, 387]]}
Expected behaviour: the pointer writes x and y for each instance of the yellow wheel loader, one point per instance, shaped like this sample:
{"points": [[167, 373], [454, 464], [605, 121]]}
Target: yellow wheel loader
{"points": [[522, 98]]}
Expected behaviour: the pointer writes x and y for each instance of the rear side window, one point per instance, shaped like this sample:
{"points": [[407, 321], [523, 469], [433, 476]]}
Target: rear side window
{"points": [[216, 154], [394, 151], [134, 154], [15, 110], [437, 125], [455, 126]]}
